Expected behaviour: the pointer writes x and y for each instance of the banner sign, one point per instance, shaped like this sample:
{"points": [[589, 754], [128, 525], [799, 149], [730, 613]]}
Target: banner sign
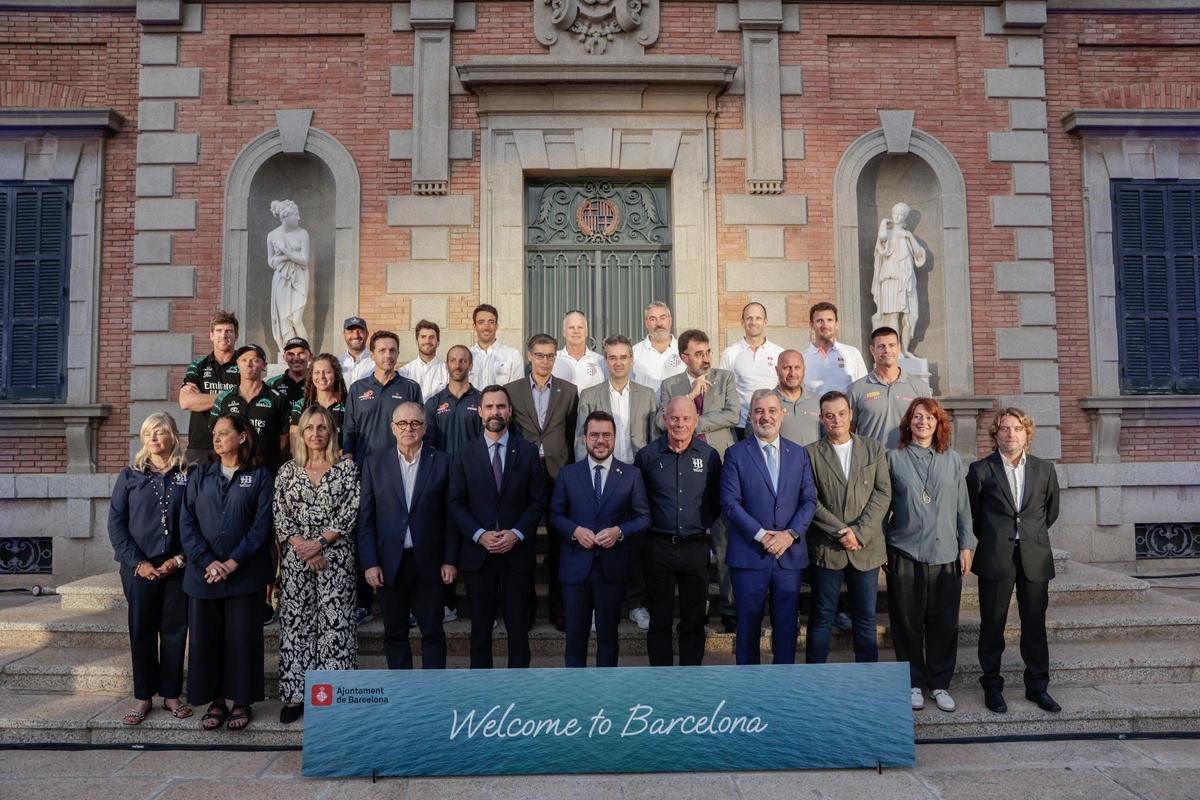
{"points": [[627, 719]]}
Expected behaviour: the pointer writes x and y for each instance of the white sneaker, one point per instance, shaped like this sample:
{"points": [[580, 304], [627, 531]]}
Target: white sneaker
{"points": [[918, 699], [449, 614], [642, 617], [943, 699]]}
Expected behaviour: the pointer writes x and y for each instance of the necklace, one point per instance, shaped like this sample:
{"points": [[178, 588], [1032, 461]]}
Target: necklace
{"points": [[159, 481], [926, 497]]}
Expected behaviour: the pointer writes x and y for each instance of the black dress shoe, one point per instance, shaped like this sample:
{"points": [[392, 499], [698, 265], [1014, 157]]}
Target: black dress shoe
{"points": [[560, 624], [289, 714], [995, 702], [729, 624], [1044, 701]]}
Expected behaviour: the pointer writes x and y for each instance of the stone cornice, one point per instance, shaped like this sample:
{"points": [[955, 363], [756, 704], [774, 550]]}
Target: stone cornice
{"points": [[509, 70], [1087, 120], [104, 120]]}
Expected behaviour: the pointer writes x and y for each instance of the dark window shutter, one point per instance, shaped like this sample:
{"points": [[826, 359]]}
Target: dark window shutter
{"points": [[35, 222], [1157, 252]]}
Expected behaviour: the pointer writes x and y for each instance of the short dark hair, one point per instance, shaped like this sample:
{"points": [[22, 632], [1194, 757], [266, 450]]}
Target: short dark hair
{"points": [[482, 307], [830, 397], [426, 325], [824, 305], [540, 338], [599, 416], [616, 339], [883, 331], [247, 455], [224, 318], [377, 335], [691, 335], [495, 387]]}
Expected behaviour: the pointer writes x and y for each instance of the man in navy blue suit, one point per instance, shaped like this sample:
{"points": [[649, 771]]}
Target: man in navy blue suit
{"points": [[768, 496], [403, 545], [498, 490], [599, 505]]}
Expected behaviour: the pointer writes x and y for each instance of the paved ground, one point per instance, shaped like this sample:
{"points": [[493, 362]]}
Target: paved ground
{"points": [[1082, 770]]}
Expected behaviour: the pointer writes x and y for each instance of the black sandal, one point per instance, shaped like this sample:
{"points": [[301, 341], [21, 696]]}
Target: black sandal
{"points": [[215, 717], [239, 719]]}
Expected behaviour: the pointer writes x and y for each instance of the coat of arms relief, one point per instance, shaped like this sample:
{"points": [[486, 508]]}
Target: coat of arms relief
{"points": [[596, 27]]}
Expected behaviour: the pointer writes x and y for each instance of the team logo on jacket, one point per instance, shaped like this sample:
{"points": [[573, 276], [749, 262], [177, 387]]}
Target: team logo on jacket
{"points": [[697, 465], [180, 479], [443, 408], [367, 395], [246, 480]]}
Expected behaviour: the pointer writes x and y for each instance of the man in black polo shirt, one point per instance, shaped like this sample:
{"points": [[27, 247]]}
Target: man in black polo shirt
{"points": [[265, 409], [206, 378], [370, 401], [298, 355], [452, 415], [683, 485]]}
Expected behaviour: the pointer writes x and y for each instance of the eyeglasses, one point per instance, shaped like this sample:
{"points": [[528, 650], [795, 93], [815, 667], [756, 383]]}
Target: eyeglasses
{"points": [[403, 424], [543, 356], [601, 436]]}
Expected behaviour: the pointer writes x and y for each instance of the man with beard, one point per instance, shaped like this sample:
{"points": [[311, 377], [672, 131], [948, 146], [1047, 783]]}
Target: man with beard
{"points": [[656, 357], [298, 355], [427, 369]]}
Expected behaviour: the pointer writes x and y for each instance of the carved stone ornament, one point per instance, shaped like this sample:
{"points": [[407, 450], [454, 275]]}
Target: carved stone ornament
{"points": [[596, 27]]}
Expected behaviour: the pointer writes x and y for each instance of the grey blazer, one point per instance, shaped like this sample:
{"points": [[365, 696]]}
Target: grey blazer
{"points": [[641, 413], [722, 407], [861, 503]]}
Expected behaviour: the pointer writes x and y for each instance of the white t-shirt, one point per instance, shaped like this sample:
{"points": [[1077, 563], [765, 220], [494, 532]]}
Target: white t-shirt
{"points": [[432, 377], [499, 364], [588, 370], [651, 368], [752, 368], [832, 370], [843, 454]]}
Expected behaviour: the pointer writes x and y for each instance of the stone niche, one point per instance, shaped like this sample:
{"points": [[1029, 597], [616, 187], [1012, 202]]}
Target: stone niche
{"points": [[885, 181], [304, 179]]}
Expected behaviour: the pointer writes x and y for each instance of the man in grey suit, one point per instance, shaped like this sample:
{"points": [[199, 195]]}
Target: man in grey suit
{"points": [[632, 407], [845, 542], [714, 391]]}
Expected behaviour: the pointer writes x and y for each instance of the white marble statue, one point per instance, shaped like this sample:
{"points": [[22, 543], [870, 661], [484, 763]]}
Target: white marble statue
{"points": [[290, 257], [894, 284]]}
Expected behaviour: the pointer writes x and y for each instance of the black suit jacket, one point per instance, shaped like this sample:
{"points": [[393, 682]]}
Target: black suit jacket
{"points": [[997, 519], [475, 503], [383, 514], [557, 436]]}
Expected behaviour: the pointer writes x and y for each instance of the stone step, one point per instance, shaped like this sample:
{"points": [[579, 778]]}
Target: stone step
{"points": [[108, 671], [56, 718]]}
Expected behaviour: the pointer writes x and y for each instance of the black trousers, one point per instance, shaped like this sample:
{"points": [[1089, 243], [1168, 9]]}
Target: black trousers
{"points": [[923, 602], [423, 597], [1033, 597], [635, 582], [225, 650], [158, 627], [579, 601], [671, 563], [495, 581]]}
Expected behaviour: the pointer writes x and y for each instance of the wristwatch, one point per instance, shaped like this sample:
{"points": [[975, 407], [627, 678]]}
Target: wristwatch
{"points": [[324, 542]]}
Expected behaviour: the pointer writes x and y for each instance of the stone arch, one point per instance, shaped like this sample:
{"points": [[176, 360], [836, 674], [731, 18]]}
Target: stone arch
{"points": [[346, 215], [959, 374]]}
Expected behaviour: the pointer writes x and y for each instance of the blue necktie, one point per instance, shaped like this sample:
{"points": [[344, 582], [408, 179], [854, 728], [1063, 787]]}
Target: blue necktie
{"points": [[597, 484], [497, 467], [772, 465]]}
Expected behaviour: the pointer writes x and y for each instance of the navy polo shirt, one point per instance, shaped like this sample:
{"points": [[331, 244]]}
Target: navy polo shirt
{"points": [[369, 407], [451, 422], [135, 515], [268, 414], [684, 489], [224, 518], [210, 377]]}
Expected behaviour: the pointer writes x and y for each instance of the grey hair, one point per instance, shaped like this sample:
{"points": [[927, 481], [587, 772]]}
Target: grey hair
{"points": [[759, 394], [655, 304]]}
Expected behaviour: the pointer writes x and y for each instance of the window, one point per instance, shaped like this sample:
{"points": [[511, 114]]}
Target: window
{"points": [[34, 230], [1156, 241]]}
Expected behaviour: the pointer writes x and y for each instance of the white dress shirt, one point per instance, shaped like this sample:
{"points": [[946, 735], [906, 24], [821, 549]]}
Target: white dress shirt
{"points": [[651, 368], [432, 377], [1016, 481], [605, 466], [408, 474], [833, 369], [752, 368], [618, 403], [499, 364], [587, 370], [353, 368]]}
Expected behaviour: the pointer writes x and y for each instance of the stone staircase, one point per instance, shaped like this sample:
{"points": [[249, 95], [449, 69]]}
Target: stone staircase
{"points": [[1125, 658]]}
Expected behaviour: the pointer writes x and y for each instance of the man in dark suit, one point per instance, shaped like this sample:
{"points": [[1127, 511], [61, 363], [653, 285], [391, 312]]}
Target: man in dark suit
{"points": [[403, 545], [599, 508], [768, 496], [1014, 501], [497, 497], [543, 412], [854, 493]]}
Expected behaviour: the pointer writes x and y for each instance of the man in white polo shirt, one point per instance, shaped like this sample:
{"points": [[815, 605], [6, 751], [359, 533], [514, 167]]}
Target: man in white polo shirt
{"points": [[492, 363], [829, 365], [575, 362], [752, 360], [656, 357], [427, 369]]}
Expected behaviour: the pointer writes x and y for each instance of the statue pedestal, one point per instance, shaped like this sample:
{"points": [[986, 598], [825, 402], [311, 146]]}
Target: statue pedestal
{"points": [[918, 367]]}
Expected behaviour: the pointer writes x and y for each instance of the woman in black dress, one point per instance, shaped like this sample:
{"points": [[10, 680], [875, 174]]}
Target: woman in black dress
{"points": [[225, 526], [143, 526]]}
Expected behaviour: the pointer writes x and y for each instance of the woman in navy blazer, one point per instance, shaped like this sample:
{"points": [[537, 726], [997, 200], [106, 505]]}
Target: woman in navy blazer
{"points": [[143, 526], [225, 525]]}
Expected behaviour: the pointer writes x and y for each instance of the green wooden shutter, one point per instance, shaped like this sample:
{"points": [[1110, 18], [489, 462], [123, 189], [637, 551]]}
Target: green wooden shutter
{"points": [[1157, 253], [34, 226]]}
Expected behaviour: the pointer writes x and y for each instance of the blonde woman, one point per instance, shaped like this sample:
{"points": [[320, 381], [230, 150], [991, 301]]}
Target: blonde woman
{"points": [[143, 525], [316, 504]]}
